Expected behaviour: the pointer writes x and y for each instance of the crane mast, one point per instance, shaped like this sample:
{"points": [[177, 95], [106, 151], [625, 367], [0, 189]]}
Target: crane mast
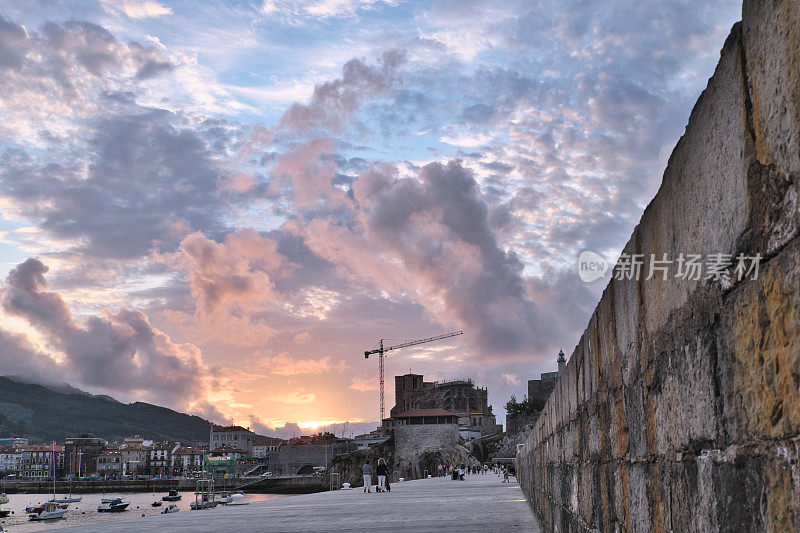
{"points": [[381, 350]]}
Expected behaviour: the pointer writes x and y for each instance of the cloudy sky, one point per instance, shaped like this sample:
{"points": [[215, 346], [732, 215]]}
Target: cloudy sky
{"points": [[218, 206]]}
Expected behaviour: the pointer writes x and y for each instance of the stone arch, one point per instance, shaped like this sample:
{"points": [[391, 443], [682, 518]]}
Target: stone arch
{"points": [[306, 470]]}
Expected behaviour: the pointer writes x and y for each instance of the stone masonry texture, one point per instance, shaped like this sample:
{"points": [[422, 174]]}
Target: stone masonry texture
{"points": [[679, 409]]}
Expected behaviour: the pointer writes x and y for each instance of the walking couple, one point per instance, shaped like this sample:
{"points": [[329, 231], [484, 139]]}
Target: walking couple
{"points": [[383, 472]]}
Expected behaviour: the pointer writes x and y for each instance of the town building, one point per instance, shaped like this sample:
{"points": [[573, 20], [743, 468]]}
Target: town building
{"points": [[81, 454], [187, 460], [37, 461], [110, 464], [233, 436], [10, 459], [430, 402], [159, 461], [134, 457], [264, 445]]}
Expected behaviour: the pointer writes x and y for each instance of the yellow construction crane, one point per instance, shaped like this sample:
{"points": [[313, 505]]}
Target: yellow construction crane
{"points": [[383, 349]]}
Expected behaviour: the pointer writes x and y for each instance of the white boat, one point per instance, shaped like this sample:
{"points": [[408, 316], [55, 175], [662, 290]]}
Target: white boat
{"points": [[238, 499], [66, 499], [112, 505], [48, 511], [224, 497], [171, 508], [3, 498]]}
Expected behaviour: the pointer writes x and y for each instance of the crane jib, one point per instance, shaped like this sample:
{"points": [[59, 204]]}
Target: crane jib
{"points": [[383, 349]]}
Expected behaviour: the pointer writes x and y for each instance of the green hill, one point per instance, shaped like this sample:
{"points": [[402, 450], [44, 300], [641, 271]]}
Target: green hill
{"points": [[43, 414]]}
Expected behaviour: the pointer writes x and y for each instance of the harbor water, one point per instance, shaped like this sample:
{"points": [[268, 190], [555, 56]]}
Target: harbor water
{"points": [[85, 512]]}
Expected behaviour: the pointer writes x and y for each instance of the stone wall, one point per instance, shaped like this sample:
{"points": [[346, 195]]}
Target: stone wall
{"points": [[518, 422], [679, 409], [291, 458]]}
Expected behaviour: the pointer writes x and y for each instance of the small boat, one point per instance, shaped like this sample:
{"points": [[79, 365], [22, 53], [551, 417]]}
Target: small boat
{"points": [[224, 497], [171, 508], [112, 505], [238, 499], [4, 512], [67, 499], [173, 496], [48, 511], [3, 498], [155, 504]]}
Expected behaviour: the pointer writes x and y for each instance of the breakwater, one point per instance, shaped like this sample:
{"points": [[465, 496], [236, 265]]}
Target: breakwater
{"points": [[679, 409]]}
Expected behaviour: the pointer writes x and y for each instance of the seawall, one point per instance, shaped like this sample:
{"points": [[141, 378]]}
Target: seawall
{"points": [[679, 409]]}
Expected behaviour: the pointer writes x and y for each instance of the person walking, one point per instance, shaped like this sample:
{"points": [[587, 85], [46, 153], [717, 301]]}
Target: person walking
{"points": [[440, 469], [382, 472], [366, 470]]}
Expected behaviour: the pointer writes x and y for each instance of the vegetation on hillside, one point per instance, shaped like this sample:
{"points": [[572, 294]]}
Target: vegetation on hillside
{"points": [[43, 415]]}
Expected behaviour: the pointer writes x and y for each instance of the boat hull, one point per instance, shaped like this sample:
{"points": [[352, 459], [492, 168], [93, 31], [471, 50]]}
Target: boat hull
{"points": [[113, 508], [48, 515]]}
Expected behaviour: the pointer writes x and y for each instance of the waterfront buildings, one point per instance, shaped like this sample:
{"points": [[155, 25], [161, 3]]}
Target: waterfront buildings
{"points": [[110, 464], [264, 445], [10, 460], [232, 436], [187, 460], [81, 454], [160, 460], [37, 461], [134, 456]]}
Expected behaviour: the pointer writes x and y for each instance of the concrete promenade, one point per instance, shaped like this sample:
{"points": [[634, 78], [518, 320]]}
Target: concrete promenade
{"points": [[480, 503]]}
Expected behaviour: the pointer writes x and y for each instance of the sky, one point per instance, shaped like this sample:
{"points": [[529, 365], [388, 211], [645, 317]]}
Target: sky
{"points": [[219, 206]]}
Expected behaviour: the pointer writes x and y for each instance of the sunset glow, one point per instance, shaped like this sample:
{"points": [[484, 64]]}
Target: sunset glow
{"points": [[219, 206]]}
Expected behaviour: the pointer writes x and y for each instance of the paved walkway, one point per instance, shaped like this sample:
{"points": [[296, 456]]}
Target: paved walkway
{"points": [[480, 503]]}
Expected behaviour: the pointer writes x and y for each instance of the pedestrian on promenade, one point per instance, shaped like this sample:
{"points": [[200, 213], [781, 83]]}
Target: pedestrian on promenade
{"points": [[440, 469], [382, 471], [366, 470], [453, 473]]}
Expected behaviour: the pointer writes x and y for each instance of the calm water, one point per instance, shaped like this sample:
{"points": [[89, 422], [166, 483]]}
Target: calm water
{"points": [[85, 511]]}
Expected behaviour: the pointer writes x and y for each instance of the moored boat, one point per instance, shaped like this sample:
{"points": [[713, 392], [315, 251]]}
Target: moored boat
{"points": [[47, 511], [67, 499], [224, 497], [3, 498], [112, 505], [171, 508], [238, 499], [173, 496]]}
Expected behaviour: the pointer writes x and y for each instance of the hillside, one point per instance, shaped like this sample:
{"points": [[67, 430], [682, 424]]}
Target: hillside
{"points": [[43, 414]]}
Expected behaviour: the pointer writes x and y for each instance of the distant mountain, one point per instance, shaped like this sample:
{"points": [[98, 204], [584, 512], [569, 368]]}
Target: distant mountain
{"points": [[45, 413]]}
